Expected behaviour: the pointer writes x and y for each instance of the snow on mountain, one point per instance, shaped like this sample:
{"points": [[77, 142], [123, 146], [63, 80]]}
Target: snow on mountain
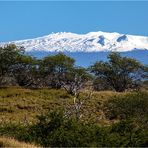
{"points": [[90, 42]]}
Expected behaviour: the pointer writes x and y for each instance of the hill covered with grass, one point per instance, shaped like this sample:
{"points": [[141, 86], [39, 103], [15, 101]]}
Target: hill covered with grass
{"points": [[47, 117], [23, 105]]}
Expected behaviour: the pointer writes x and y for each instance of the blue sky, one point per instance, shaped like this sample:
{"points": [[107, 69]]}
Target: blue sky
{"points": [[22, 20]]}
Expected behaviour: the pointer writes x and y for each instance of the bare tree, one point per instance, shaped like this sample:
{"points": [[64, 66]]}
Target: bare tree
{"points": [[75, 85]]}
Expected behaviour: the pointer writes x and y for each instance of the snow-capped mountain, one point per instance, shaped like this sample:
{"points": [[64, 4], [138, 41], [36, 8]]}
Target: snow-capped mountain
{"points": [[90, 42]]}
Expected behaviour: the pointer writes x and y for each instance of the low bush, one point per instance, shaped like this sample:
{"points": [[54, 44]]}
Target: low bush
{"points": [[133, 105], [17, 131], [128, 134], [56, 130]]}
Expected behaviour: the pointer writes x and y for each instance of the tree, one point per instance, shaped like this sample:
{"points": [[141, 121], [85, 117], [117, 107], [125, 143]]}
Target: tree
{"points": [[120, 73], [98, 85], [145, 75], [75, 80], [8, 55], [14, 64], [25, 70], [54, 67]]}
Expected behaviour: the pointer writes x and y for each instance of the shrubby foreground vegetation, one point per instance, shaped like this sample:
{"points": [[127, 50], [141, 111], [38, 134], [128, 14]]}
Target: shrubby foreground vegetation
{"points": [[53, 103]]}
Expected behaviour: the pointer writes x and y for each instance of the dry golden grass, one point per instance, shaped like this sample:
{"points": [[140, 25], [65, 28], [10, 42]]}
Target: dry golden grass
{"points": [[10, 142], [22, 105]]}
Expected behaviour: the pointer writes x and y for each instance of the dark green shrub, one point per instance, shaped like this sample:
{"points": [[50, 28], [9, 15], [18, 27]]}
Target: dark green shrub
{"points": [[43, 129], [56, 130], [17, 131], [129, 106], [128, 133]]}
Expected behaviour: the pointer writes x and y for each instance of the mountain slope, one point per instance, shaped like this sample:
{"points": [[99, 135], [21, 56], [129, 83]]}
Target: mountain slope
{"points": [[90, 42]]}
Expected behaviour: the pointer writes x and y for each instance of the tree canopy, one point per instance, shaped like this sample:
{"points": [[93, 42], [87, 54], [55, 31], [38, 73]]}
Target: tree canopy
{"points": [[59, 71], [119, 72]]}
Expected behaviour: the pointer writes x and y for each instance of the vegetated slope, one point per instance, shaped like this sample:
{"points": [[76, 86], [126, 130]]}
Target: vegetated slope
{"points": [[90, 42], [109, 119], [22, 105]]}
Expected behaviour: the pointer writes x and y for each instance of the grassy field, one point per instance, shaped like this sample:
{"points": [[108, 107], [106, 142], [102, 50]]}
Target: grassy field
{"points": [[22, 105]]}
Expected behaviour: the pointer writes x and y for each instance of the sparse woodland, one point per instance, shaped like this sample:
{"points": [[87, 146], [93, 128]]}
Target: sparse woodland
{"points": [[51, 102]]}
